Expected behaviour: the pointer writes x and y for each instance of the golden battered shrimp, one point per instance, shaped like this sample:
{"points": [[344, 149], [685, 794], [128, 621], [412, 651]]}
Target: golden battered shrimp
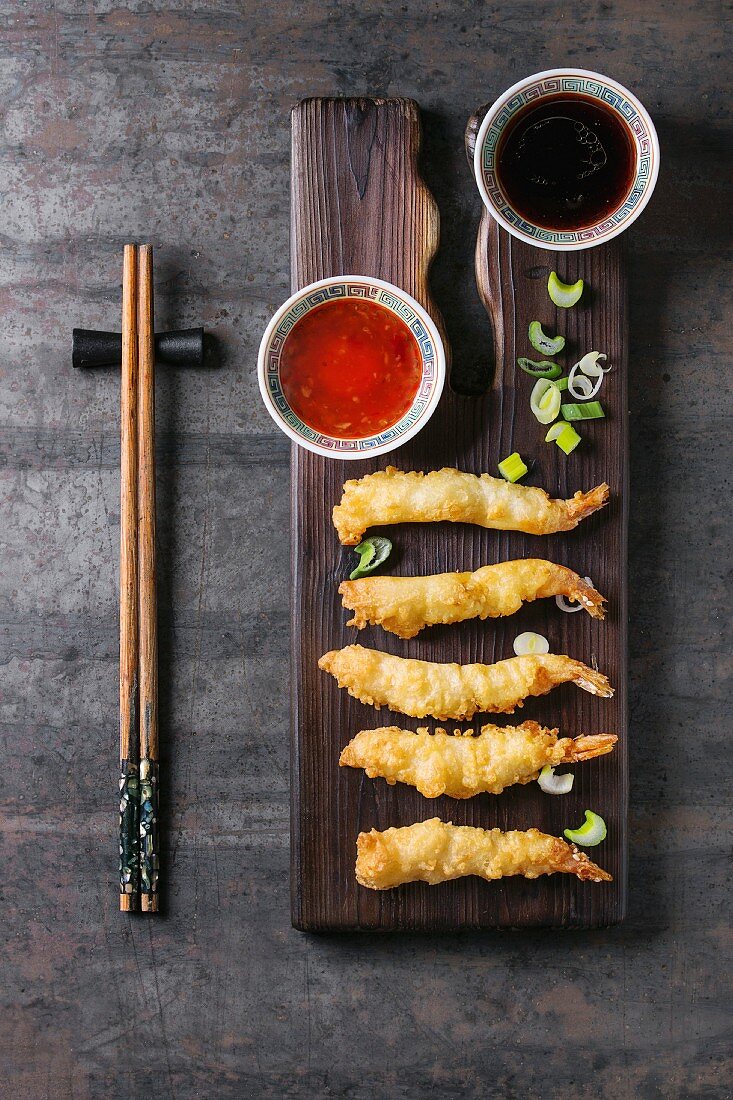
{"points": [[404, 605], [436, 851], [396, 496], [419, 688], [462, 766]]}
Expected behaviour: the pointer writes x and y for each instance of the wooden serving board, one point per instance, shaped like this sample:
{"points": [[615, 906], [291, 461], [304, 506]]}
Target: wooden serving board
{"points": [[360, 207]]}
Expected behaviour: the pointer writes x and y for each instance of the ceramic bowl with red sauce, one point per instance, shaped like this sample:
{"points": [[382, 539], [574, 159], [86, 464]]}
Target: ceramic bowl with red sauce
{"points": [[351, 366]]}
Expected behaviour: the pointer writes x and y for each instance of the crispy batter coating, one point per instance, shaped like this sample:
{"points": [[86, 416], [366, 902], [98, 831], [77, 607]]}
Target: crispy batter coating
{"points": [[397, 496], [404, 605], [419, 688], [462, 766], [436, 851]]}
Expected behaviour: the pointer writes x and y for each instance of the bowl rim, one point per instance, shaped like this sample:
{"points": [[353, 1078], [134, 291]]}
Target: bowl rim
{"points": [[560, 246], [383, 448]]}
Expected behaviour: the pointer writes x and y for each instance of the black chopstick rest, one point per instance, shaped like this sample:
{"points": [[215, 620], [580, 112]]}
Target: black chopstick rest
{"points": [[182, 348]]}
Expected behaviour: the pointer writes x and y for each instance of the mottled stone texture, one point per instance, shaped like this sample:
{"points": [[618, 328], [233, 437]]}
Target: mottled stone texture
{"points": [[169, 123]]}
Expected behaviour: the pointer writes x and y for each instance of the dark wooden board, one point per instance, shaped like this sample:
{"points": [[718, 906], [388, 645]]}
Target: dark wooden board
{"points": [[359, 207]]}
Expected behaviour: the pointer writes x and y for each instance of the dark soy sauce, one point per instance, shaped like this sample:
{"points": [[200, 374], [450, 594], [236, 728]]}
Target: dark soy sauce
{"points": [[566, 163]]}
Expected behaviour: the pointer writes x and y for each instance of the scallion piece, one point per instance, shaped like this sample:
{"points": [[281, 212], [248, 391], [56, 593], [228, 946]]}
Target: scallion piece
{"points": [[555, 431], [540, 370], [562, 294], [579, 379], [580, 387], [589, 410], [545, 401], [590, 364], [555, 784], [372, 553], [590, 833], [546, 345], [529, 642], [513, 467], [561, 383], [568, 439]]}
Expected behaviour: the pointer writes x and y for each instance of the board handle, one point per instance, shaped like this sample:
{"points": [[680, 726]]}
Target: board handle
{"points": [[489, 249]]}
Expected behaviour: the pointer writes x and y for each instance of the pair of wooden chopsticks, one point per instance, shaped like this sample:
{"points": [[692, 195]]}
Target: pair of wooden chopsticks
{"points": [[139, 856]]}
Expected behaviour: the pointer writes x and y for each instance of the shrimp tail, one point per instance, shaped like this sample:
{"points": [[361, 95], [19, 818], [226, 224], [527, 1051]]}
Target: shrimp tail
{"points": [[586, 595], [585, 748], [571, 861], [591, 681], [585, 504]]}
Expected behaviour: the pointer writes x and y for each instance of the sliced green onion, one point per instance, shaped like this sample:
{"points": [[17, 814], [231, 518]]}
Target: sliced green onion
{"points": [[581, 387], [579, 384], [568, 439], [555, 431], [547, 345], [591, 410], [545, 400], [513, 467], [568, 605], [372, 553], [555, 784], [562, 294], [589, 364], [561, 383], [540, 370], [590, 833], [529, 642]]}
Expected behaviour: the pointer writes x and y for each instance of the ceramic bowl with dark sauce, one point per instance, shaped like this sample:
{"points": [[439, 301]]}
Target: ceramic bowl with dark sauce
{"points": [[566, 159]]}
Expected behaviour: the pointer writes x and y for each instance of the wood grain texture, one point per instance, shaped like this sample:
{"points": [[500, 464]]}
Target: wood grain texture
{"points": [[146, 511], [128, 536], [128, 511], [359, 207], [148, 607]]}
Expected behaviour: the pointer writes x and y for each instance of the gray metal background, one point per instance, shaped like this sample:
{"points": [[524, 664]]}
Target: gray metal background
{"points": [[170, 123]]}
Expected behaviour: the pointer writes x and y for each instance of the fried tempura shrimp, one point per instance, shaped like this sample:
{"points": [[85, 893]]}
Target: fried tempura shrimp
{"points": [[396, 496], [419, 688], [404, 605], [435, 851], [462, 766]]}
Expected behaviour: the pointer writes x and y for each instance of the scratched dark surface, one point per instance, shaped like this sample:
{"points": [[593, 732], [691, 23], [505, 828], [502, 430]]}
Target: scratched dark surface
{"points": [[171, 123]]}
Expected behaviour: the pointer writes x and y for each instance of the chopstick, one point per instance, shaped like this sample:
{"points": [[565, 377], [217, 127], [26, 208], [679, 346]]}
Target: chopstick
{"points": [[148, 631], [129, 841], [138, 826]]}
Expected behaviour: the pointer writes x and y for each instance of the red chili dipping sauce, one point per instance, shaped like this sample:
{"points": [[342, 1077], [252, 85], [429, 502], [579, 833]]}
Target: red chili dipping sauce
{"points": [[350, 368]]}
